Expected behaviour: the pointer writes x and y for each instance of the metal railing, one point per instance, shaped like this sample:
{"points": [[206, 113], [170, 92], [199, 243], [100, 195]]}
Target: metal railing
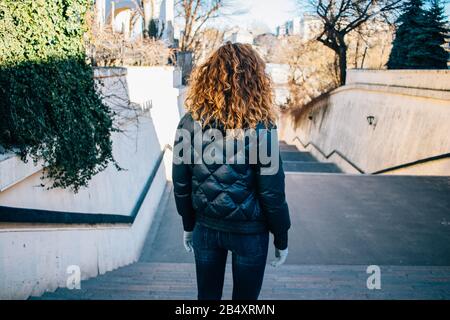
{"points": [[389, 169], [326, 156]]}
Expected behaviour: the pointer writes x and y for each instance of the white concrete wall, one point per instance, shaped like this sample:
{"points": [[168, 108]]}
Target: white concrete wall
{"points": [[34, 258], [181, 101], [412, 121], [148, 86], [422, 79], [136, 152], [279, 74]]}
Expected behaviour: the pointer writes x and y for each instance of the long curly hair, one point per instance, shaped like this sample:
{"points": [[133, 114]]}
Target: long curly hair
{"points": [[232, 88]]}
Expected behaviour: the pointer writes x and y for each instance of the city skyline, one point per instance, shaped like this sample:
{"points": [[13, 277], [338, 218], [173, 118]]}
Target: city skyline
{"points": [[266, 12]]}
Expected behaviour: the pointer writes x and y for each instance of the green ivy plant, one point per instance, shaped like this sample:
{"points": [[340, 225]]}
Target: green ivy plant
{"points": [[49, 108]]}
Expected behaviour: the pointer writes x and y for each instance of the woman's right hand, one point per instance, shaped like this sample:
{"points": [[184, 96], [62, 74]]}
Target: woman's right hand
{"points": [[280, 257]]}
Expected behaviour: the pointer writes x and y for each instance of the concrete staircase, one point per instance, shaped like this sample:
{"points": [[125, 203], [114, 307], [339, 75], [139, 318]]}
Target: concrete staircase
{"points": [[301, 161], [176, 281], [341, 224]]}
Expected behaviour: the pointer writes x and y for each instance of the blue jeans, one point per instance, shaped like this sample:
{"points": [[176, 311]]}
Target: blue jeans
{"points": [[249, 256]]}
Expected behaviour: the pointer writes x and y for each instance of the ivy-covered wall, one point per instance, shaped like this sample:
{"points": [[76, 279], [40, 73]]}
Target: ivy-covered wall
{"points": [[49, 108]]}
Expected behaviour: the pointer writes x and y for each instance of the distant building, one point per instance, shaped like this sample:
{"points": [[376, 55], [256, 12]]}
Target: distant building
{"points": [[281, 30], [124, 17], [293, 27], [306, 26], [239, 35]]}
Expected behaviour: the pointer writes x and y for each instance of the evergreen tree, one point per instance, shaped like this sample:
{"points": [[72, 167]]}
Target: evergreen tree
{"points": [[153, 30], [420, 37], [436, 36], [408, 36]]}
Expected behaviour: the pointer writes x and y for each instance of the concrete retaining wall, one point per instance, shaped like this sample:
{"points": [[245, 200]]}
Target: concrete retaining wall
{"points": [[411, 121], [34, 258], [422, 79]]}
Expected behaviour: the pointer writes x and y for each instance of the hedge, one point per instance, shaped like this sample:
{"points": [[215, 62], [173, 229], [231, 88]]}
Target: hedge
{"points": [[49, 108]]}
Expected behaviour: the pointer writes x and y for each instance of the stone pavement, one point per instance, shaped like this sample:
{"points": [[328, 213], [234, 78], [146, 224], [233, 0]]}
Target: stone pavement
{"points": [[153, 280], [340, 225]]}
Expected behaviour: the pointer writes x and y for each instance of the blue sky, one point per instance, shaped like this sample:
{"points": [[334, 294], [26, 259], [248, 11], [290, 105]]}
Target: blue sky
{"points": [[269, 12]]}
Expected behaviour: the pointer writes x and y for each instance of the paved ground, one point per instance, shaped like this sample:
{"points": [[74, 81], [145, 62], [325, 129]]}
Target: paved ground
{"points": [[167, 246], [291, 282], [340, 225], [348, 220], [385, 220]]}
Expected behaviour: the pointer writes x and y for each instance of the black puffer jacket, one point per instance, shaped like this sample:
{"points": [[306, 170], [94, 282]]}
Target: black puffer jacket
{"points": [[228, 196]]}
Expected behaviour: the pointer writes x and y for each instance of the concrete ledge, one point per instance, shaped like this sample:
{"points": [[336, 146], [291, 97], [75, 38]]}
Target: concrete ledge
{"points": [[398, 90], [423, 79], [14, 170], [109, 72], [54, 227]]}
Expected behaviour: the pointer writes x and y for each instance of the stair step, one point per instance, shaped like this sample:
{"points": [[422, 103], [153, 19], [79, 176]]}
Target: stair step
{"points": [[288, 147], [297, 156], [340, 225], [289, 282], [308, 166]]}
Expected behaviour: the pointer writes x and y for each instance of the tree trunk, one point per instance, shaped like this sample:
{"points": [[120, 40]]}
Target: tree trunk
{"points": [[363, 57], [342, 64], [358, 43]]}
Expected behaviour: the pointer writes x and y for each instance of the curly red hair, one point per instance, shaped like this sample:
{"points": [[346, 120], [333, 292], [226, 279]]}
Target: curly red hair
{"points": [[231, 87]]}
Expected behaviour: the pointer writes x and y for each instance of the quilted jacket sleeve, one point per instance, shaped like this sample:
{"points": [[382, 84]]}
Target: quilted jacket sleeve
{"points": [[271, 188], [182, 180]]}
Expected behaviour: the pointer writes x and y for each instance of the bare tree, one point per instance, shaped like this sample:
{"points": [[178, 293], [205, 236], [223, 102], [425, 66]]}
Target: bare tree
{"points": [[107, 48], [208, 40], [340, 17], [195, 14], [369, 44], [313, 69]]}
